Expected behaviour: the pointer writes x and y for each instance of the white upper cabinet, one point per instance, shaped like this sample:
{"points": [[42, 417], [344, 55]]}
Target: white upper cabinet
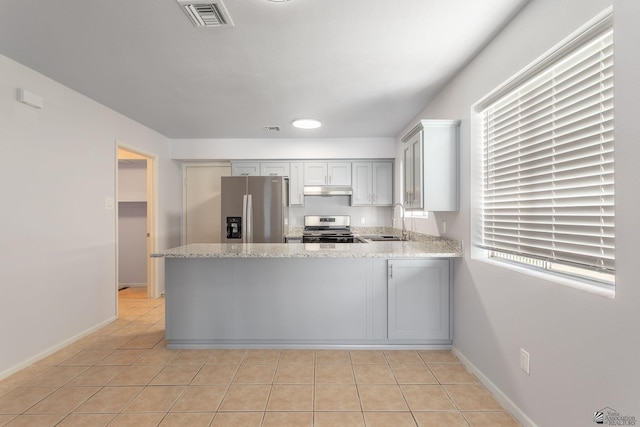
{"points": [[339, 173], [296, 184], [327, 173], [413, 176], [275, 169], [430, 158], [372, 183], [260, 168], [315, 173], [362, 184], [382, 175], [245, 168], [372, 180]]}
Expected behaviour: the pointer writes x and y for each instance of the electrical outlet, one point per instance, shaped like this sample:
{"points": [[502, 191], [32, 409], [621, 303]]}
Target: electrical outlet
{"points": [[524, 360], [444, 227]]}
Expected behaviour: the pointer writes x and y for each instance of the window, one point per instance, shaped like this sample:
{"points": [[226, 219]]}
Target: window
{"points": [[547, 199]]}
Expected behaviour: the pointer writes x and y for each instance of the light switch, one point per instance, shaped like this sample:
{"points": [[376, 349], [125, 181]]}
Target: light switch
{"points": [[108, 203]]}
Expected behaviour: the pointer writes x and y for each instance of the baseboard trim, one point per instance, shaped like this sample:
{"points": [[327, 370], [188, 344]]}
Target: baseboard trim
{"points": [[497, 393], [48, 352]]}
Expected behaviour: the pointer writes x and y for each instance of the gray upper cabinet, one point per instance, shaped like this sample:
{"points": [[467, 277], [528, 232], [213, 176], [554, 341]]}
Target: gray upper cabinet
{"points": [[431, 171], [372, 183], [327, 173]]}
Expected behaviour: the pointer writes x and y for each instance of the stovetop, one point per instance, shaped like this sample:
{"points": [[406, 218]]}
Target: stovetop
{"points": [[327, 225]]}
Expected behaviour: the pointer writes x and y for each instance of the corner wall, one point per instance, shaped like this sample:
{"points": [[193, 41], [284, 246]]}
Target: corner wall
{"points": [[584, 348], [57, 252]]}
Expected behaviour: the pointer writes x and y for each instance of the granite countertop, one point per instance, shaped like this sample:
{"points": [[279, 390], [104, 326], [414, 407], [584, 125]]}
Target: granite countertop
{"points": [[435, 247]]}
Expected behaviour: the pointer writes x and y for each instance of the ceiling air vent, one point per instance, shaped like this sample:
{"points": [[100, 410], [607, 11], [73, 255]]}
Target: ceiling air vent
{"points": [[211, 14], [271, 128]]}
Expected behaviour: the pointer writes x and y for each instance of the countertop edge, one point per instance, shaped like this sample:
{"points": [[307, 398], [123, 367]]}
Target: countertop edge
{"points": [[437, 248]]}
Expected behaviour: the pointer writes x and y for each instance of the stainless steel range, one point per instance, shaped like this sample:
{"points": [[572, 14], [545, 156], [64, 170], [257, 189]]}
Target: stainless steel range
{"points": [[328, 229]]}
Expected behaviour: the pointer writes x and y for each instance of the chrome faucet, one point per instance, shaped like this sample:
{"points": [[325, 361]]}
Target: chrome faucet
{"points": [[405, 233]]}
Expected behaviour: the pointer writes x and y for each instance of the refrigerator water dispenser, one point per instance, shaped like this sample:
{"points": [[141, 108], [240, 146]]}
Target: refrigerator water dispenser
{"points": [[234, 227]]}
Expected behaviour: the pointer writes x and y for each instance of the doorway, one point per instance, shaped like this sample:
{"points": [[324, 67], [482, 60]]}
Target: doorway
{"points": [[135, 190]]}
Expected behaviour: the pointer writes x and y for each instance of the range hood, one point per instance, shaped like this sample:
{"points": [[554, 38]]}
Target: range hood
{"points": [[327, 190]]}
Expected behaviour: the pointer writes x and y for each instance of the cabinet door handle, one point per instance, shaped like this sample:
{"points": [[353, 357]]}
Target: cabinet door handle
{"points": [[391, 271]]}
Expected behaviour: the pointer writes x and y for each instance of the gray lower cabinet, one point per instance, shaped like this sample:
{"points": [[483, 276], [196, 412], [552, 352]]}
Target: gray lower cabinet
{"points": [[419, 300], [216, 302]]}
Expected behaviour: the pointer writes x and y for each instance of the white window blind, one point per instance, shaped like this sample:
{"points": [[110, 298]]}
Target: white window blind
{"points": [[548, 166]]}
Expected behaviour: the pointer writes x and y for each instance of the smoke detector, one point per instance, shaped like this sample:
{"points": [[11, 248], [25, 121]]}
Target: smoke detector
{"points": [[209, 14]]}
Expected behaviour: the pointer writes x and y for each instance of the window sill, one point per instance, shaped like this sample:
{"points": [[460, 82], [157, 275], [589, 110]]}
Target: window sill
{"points": [[548, 276]]}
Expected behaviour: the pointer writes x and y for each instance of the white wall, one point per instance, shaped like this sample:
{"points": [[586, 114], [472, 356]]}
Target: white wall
{"points": [[57, 251], [283, 148], [584, 348]]}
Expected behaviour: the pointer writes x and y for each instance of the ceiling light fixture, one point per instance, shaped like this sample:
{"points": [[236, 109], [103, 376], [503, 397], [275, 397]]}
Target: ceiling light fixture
{"points": [[306, 123]]}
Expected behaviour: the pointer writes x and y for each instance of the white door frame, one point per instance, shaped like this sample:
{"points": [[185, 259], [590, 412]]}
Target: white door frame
{"points": [[152, 210]]}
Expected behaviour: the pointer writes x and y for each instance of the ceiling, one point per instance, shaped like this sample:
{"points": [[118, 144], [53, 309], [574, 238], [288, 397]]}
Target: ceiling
{"points": [[365, 68]]}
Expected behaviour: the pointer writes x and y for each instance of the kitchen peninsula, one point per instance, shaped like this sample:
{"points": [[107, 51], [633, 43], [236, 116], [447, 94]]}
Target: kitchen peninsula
{"points": [[357, 295]]}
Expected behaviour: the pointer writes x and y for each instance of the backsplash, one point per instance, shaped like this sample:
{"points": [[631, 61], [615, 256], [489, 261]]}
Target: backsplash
{"points": [[374, 216]]}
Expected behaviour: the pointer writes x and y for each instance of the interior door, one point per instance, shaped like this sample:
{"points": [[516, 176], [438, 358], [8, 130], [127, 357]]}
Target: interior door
{"points": [[202, 204]]}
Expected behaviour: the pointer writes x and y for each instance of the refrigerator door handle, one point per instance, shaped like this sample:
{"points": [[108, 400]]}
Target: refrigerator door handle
{"points": [[245, 230], [249, 214]]}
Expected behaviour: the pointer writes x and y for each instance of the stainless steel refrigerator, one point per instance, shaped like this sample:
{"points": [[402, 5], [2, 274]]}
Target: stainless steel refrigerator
{"points": [[254, 209]]}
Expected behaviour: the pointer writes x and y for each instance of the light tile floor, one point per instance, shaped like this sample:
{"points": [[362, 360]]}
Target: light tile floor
{"points": [[123, 375]]}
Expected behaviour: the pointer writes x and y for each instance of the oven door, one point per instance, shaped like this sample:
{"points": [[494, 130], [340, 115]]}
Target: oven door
{"points": [[329, 239]]}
